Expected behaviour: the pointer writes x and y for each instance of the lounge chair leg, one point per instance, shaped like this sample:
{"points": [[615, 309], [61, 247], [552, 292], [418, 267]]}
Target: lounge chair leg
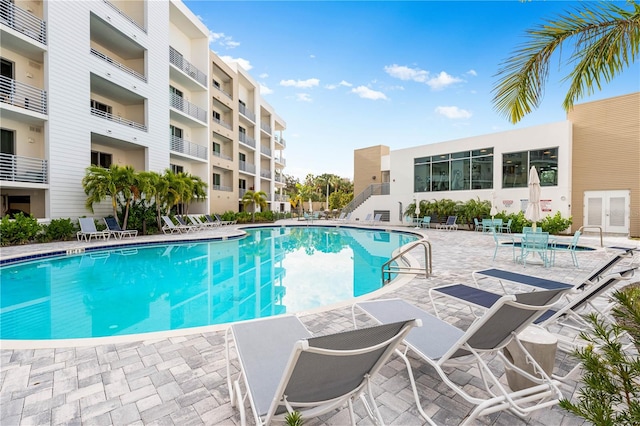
{"points": [[414, 388]]}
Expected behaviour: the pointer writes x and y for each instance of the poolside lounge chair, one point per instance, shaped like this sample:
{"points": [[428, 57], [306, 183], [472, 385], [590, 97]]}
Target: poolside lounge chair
{"points": [[441, 345], [195, 220], [449, 225], [346, 218], [114, 229], [88, 230], [377, 219], [185, 227], [171, 228], [283, 368], [224, 222], [367, 219], [212, 221]]}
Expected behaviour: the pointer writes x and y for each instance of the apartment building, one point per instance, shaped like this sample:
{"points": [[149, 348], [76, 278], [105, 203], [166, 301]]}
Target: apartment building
{"points": [[130, 82], [589, 168]]}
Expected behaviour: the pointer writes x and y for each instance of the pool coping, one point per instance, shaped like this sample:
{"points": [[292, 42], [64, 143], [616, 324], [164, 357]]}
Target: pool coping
{"points": [[11, 344]]}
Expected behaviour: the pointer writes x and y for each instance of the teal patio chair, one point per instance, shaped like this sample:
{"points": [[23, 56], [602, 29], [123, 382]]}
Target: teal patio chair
{"points": [[536, 243], [570, 248], [426, 222]]}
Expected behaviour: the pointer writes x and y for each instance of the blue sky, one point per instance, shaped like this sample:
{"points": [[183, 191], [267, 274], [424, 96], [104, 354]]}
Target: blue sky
{"points": [[349, 75]]}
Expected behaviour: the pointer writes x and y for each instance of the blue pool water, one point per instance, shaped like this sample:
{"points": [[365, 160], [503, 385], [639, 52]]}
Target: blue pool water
{"points": [[167, 287]]}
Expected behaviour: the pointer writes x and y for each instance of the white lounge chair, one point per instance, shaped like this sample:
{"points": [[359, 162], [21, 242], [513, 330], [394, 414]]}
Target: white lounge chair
{"points": [[116, 231], [377, 219], [171, 228], [284, 369], [185, 227], [88, 230], [449, 225], [441, 345]]}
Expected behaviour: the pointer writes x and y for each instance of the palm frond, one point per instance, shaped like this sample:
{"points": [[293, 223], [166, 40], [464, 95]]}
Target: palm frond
{"points": [[607, 39]]}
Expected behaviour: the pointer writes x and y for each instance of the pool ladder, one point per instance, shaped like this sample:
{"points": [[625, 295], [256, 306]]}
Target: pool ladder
{"points": [[389, 268]]}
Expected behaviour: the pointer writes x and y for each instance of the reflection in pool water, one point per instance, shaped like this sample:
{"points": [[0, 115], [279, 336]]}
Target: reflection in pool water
{"points": [[168, 287]]}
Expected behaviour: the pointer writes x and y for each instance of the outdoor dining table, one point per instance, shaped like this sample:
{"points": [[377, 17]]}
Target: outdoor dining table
{"points": [[522, 237]]}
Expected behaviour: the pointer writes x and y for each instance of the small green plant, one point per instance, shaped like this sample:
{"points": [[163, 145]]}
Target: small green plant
{"points": [[294, 419], [21, 230], [610, 394], [555, 224], [58, 230]]}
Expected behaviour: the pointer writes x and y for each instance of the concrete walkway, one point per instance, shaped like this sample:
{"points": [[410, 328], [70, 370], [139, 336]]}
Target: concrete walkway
{"points": [[181, 379]]}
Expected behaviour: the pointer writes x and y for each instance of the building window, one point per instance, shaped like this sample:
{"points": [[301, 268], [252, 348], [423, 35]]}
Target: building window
{"points": [[216, 116], [107, 109], [242, 157], [482, 168], [242, 183], [8, 138], [546, 162], [215, 181], [216, 149], [422, 174], [101, 159], [177, 169], [515, 168], [440, 176], [216, 84]]}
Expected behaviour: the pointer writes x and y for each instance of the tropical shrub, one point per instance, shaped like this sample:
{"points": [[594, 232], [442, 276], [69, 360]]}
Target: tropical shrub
{"points": [[610, 394], [555, 224], [58, 230], [21, 230]]}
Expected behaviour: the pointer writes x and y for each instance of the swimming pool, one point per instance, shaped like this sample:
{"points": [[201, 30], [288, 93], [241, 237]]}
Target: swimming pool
{"points": [[143, 289]]}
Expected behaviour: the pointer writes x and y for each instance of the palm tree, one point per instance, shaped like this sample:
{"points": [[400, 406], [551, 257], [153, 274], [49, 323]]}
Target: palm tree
{"points": [[607, 40], [258, 198], [100, 183], [127, 180]]}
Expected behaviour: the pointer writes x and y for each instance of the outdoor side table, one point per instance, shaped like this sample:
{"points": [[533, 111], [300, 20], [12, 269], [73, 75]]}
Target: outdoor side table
{"points": [[542, 347]]}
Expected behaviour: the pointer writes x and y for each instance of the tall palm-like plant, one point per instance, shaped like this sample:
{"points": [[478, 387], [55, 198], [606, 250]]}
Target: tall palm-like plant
{"points": [[127, 180], [257, 198], [607, 40], [100, 183]]}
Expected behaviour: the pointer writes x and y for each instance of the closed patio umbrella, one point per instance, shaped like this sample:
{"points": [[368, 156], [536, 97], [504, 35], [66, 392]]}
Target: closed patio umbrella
{"points": [[533, 212], [417, 213], [494, 206]]}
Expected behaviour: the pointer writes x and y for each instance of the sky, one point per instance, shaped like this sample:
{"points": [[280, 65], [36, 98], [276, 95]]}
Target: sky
{"points": [[350, 75]]}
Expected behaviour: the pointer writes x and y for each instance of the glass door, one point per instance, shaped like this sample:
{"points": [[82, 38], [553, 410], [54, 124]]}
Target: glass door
{"points": [[609, 210]]}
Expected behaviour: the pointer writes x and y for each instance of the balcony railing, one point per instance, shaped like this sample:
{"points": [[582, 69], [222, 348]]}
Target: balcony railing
{"points": [[116, 119], [241, 192], [281, 141], [189, 148], [23, 21], [191, 70], [247, 113], [221, 155], [247, 140], [118, 65], [222, 123], [265, 127], [222, 188], [22, 95], [265, 150], [281, 160], [265, 174], [15, 168], [188, 108], [220, 89], [247, 167], [282, 197], [125, 16]]}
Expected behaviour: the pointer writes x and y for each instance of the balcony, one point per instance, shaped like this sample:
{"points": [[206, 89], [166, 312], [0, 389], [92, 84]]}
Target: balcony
{"points": [[222, 123], [187, 67], [125, 16], [246, 167], [222, 188], [265, 150], [188, 108], [280, 140], [118, 65], [247, 140], [221, 155], [22, 21], [22, 95], [120, 120], [281, 160], [281, 197], [14, 168], [265, 126], [246, 112], [221, 90], [265, 174], [189, 148], [279, 178]]}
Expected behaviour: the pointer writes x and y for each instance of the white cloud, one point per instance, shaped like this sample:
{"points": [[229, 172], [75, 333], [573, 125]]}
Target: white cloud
{"points": [[335, 86], [312, 56], [406, 73], [301, 84], [303, 97], [366, 93], [244, 63], [472, 72], [264, 90], [443, 80], [263, 75], [453, 112], [222, 40]]}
